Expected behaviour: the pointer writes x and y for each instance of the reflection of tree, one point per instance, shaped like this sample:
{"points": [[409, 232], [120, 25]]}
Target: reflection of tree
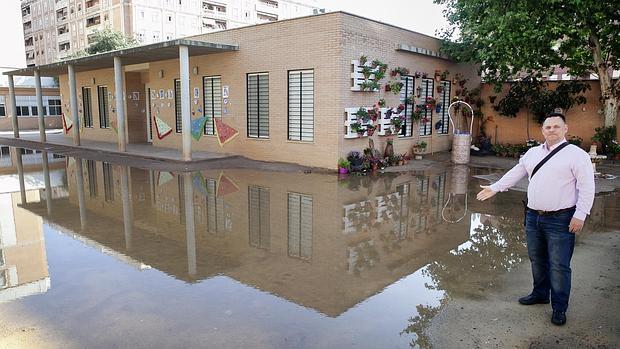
{"points": [[495, 247]]}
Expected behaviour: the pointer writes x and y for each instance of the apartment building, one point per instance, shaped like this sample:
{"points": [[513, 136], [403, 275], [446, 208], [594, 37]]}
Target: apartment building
{"points": [[55, 29]]}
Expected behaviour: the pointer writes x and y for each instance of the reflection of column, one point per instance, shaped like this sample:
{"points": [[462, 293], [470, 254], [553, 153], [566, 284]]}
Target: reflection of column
{"points": [[127, 211], [20, 174], [190, 229], [79, 171], [48, 186], [152, 187]]}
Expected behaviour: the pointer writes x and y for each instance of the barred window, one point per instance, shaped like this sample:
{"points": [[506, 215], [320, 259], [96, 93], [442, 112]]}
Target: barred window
{"points": [[91, 169], [426, 128], [259, 225], [258, 105], [212, 94], [108, 182], [177, 106], [2, 106], [216, 215], [86, 104], [444, 99], [406, 92], [102, 99], [300, 226], [301, 105]]}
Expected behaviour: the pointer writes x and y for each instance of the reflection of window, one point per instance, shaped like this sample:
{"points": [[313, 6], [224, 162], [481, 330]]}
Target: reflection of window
{"points": [[258, 105], [108, 182], [216, 219], [400, 224], [4, 279], [440, 183], [91, 169], [420, 219], [259, 219], [102, 98], [300, 226]]}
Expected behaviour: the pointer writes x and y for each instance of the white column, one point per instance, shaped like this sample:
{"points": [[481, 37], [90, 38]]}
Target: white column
{"points": [[120, 107], [185, 106], [74, 105], [190, 228], [39, 93], [13, 107]]}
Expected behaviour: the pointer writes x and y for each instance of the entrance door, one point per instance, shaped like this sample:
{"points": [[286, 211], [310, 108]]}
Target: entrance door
{"points": [[149, 118]]}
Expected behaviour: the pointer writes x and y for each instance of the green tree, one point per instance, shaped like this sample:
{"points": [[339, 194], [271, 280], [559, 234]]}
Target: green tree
{"points": [[106, 40], [508, 38]]}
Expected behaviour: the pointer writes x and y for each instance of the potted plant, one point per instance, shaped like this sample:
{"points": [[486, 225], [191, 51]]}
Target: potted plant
{"points": [[439, 88], [357, 127], [373, 113], [343, 166], [444, 75], [430, 103], [370, 129], [381, 103], [356, 162], [362, 114], [397, 122], [363, 60], [418, 91], [399, 71], [418, 149]]}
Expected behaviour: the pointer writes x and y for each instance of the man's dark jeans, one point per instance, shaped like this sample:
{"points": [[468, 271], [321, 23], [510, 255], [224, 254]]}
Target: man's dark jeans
{"points": [[550, 246]]}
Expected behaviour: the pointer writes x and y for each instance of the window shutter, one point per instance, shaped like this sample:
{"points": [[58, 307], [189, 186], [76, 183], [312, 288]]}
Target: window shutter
{"points": [[300, 226], [102, 99], [86, 104], [407, 91], [177, 106], [259, 217], [426, 128], [258, 105], [301, 105], [212, 94], [445, 103]]}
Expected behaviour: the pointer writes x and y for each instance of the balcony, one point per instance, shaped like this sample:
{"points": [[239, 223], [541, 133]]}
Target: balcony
{"points": [[267, 7], [63, 37], [62, 15], [214, 10], [265, 18], [92, 6], [60, 4], [93, 21]]}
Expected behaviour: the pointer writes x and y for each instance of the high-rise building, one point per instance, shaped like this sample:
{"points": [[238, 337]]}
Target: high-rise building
{"points": [[55, 29]]}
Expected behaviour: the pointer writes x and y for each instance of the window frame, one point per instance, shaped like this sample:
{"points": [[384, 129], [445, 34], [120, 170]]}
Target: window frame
{"points": [[258, 106], [301, 104]]}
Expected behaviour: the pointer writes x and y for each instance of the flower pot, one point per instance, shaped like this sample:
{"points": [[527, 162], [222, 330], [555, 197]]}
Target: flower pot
{"points": [[418, 157], [401, 162], [371, 131], [374, 166], [343, 170], [438, 109]]}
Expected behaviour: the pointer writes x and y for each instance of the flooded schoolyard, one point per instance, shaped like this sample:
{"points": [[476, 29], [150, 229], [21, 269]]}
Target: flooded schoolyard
{"points": [[102, 255]]}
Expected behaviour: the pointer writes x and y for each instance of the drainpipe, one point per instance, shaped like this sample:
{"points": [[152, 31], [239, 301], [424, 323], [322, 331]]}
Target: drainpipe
{"points": [[39, 93], [120, 108], [74, 106], [13, 107], [185, 115]]}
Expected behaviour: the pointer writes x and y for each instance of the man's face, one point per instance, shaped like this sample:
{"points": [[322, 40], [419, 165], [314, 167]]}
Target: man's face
{"points": [[554, 129]]}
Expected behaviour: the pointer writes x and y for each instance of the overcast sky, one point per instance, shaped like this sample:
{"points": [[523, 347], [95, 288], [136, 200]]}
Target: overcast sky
{"points": [[419, 15]]}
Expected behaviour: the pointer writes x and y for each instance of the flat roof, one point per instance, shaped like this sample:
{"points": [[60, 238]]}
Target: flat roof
{"points": [[134, 55]]}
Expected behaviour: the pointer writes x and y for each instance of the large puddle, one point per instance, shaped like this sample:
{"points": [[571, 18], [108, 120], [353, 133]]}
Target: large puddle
{"points": [[99, 255]]}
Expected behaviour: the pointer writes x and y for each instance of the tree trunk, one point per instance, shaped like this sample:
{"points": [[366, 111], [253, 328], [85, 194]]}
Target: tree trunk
{"points": [[608, 98]]}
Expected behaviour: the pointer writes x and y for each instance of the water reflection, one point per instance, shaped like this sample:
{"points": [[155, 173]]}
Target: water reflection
{"points": [[373, 255]]}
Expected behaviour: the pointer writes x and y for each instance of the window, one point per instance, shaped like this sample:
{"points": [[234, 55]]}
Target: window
{"points": [[86, 104], [91, 169], [155, 16], [216, 216], [400, 221], [102, 98], [177, 106], [93, 21], [54, 106], [301, 105], [108, 182], [259, 225], [23, 110], [427, 86], [406, 98], [300, 226], [212, 94], [444, 99], [258, 105], [2, 106]]}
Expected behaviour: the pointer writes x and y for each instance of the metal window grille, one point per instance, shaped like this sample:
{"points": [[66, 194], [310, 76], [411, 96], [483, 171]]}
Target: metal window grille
{"points": [[91, 169], [426, 128], [212, 94], [445, 103], [86, 104], [301, 105], [259, 217], [258, 105], [102, 100], [300, 226], [407, 91], [177, 106], [108, 182]]}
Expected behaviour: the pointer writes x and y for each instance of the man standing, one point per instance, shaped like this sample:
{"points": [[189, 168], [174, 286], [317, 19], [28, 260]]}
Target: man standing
{"points": [[560, 195]]}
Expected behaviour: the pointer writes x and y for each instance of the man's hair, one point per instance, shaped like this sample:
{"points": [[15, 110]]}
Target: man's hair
{"points": [[553, 115]]}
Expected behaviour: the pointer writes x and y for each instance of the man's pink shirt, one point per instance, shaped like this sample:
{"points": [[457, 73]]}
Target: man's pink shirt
{"points": [[566, 180]]}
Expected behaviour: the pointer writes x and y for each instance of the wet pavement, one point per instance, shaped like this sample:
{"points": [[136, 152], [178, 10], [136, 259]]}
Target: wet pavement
{"points": [[100, 255]]}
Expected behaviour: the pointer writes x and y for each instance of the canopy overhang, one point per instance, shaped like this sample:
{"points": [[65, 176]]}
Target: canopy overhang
{"points": [[160, 51]]}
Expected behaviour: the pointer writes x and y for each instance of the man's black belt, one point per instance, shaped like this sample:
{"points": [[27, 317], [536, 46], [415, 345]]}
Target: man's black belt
{"points": [[551, 213]]}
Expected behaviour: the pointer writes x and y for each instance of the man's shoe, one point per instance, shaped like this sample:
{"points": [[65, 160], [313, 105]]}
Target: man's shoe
{"points": [[531, 299], [558, 318]]}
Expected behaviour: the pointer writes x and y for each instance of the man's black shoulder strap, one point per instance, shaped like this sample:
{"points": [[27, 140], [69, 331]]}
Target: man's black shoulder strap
{"points": [[542, 162]]}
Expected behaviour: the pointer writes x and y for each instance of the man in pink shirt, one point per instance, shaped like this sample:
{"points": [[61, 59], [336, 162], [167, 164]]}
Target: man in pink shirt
{"points": [[560, 196]]}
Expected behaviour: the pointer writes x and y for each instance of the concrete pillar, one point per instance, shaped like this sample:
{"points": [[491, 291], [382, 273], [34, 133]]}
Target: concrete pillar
{"points": [[127, 209], [190, 229], [120, 107], [13, 107], [39, 93], [185, 106], [74, 105], [48, 185], [79, 174], [20, 174]]}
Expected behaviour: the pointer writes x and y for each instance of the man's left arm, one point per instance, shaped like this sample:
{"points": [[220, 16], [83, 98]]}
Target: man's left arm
{"points": [[584, 176]]}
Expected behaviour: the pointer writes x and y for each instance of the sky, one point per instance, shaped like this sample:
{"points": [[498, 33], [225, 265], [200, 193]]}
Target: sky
{"points": [[418, 15]]}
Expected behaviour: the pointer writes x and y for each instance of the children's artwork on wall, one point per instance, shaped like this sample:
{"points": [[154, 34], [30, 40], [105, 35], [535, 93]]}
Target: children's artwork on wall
{"points": [[196, 92], [225, 185], [114, 125], [164, 177], [136, 96], [153, 94], [198, 126], [170, 94], [67, 122], [161, 127], [162, 94], [224, 132], [225, 91], [129, 96], [199, 183]]}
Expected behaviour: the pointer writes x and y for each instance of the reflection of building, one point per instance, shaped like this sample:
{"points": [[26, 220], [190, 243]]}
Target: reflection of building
{"points": [[31, 159], [304, 237]]}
